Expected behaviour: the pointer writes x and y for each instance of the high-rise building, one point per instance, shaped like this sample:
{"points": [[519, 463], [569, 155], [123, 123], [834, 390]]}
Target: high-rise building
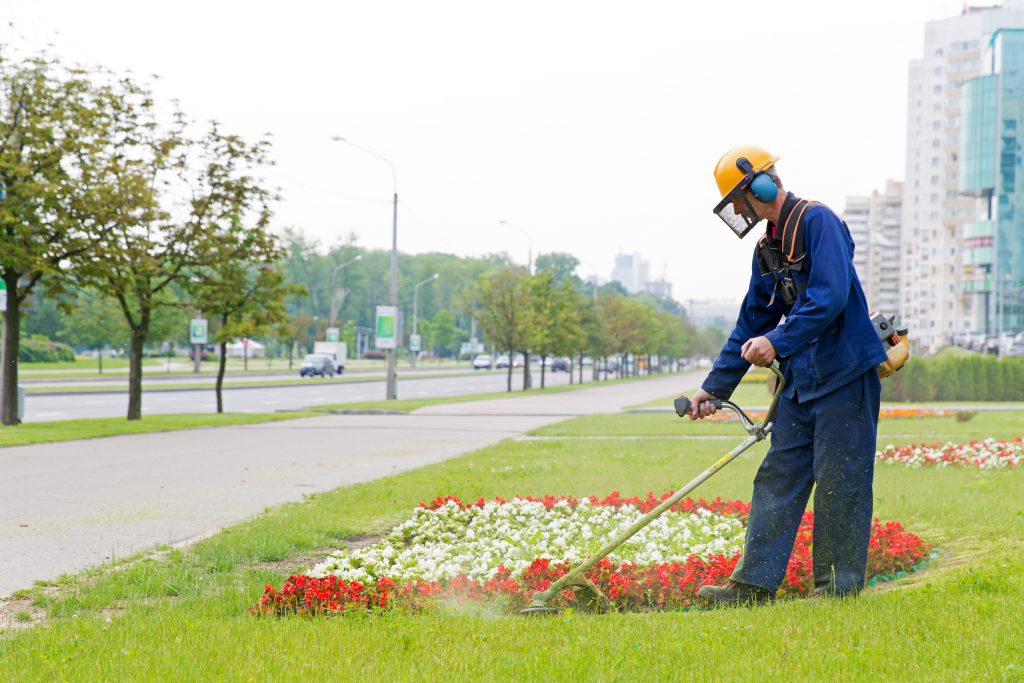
{"points": [[874, 224], [991, 156], [934, 212], [856, 215], [882, 285], [631, 272]]}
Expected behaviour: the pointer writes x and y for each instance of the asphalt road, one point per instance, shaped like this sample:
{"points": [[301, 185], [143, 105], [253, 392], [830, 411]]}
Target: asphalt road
{"points": [[44, 408]]}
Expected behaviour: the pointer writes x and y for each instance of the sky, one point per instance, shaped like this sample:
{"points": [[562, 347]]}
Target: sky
{"points": [[592, 127]]}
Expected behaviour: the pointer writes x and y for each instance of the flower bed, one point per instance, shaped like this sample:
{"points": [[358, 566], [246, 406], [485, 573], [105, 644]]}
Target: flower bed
{"points": [[987, 454], [500, 552]]}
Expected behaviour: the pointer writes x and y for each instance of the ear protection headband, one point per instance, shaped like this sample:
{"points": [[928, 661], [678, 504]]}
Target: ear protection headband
{"points": [[761, 185]]}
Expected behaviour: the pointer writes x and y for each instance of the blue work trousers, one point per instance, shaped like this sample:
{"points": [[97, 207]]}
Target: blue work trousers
{"points": [[829, 442]]}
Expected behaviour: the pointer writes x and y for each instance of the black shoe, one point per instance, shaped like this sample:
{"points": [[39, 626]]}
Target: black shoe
{"points": [[734, 594]]}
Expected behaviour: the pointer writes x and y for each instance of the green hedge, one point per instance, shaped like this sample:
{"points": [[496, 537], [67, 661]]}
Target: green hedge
{"points": [[42, 350], [976, 378]]}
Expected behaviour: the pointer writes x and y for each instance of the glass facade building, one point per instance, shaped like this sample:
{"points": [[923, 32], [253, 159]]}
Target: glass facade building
{"points": [[991, 155]]}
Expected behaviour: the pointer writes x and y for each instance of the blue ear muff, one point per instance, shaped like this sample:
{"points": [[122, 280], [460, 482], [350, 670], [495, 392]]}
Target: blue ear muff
{"points": [[763, 188]]}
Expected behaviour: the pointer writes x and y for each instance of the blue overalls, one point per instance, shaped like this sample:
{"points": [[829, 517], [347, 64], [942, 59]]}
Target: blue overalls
{"points": [[827, 419]]}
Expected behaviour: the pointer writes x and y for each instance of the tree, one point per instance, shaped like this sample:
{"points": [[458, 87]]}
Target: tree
{"points": [[561, 267], [149, 246], [504, 312], [237, 280], [96, 322], [47, 122], [556, 325], [442, 335]]}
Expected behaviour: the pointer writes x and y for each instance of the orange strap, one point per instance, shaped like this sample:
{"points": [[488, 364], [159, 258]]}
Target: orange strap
{"points": [[792, 234]]}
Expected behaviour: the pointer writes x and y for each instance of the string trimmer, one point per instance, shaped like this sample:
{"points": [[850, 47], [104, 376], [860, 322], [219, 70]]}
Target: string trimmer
{"points": [[589, 597]]}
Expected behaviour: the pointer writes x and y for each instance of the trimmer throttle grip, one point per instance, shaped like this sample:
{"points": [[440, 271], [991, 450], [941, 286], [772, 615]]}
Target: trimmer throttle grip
{"points": [[683, 405]]}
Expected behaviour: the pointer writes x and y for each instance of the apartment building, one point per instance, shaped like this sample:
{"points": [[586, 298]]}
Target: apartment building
{"points": [[991, 150], [874, 224], [932, 300]]}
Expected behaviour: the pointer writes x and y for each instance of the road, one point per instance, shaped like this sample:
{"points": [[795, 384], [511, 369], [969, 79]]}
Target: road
{"points": [[66, 506], [46, 408]]}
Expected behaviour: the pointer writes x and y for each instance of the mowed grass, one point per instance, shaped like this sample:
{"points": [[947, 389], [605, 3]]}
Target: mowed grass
{"points": [[183, 615], [93, 428], [1000, 424]]}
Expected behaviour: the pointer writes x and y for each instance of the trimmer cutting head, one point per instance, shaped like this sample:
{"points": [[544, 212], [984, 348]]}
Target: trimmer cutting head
{"points": [[539, 609]]}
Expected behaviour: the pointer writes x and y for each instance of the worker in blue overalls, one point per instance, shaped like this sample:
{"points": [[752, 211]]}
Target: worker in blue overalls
{"points": [[825, 428]]}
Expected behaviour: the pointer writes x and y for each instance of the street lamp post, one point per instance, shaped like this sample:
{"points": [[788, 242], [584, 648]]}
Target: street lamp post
{"points": [[391, 390], [416, 311], [529, 242], [334, 288]]}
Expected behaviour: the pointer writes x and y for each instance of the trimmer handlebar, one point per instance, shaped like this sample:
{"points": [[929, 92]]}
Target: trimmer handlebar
{"points": [[761, 429], [683, 405]]}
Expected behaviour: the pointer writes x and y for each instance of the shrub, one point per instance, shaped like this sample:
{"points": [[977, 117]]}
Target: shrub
{"points": [[39, 349], [981, 378]]}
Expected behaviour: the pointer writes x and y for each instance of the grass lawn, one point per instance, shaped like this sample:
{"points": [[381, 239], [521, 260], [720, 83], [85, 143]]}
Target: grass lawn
{"points": [[999, 424], [183, 615], [68, 430]]}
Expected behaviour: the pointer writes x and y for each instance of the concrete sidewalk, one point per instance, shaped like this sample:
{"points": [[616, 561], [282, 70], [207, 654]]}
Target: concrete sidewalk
{"points": [[67, 506]]}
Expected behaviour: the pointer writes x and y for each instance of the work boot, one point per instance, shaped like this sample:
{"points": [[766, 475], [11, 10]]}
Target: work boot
{"points": [[734, 594]]}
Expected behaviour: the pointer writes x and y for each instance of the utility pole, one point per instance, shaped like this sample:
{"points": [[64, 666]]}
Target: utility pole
{"points": [[334, 289], [391, 383], [415, 312], [529, 243]]}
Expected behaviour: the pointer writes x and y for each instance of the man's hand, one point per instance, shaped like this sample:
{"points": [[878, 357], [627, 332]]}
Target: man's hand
{"points": [[701, 405], [758, 351]]}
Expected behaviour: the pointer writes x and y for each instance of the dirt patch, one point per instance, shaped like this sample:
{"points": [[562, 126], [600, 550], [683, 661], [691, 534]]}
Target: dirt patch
{"points": [[302, 563], [18, 612]]}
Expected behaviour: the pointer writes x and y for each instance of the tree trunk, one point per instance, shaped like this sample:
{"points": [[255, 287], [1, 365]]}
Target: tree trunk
{"points": [[135, 368], [12, 327], [581, 367], [510, 364], [221, 362], [543, 362], [99, 357], [291, 352], [572, 369], [526, 370]]}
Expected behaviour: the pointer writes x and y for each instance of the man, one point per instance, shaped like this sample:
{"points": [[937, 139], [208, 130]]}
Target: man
{"points": [[825, 428]]}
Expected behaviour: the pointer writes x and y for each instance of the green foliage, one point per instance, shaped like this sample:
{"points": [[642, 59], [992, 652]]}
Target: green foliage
{"points": [[957, 378], [560, 266], [42, 350], [442, 335]]}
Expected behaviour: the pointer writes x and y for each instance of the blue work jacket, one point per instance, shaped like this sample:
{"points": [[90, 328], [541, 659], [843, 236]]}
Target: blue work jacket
{"points": [[827, 339]]}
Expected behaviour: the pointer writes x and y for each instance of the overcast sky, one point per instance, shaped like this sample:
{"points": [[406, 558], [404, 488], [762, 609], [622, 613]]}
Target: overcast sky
{"points": [[593, 126]]}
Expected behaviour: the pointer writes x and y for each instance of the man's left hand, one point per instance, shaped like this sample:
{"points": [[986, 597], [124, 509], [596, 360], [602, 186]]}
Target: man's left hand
{"points": [[758, 351]]}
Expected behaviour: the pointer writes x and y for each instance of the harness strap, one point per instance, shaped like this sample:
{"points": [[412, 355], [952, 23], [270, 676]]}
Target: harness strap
{"points": [[792, 231]]}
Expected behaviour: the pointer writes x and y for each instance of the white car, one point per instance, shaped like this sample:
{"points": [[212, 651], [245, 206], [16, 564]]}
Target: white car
{"points": [[482, 362], [501, 361]]}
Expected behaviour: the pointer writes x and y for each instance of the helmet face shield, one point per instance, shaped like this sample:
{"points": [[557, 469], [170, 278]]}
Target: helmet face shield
{"points": [[736, 211]]}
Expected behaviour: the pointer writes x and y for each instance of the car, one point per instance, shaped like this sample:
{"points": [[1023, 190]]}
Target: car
{"points": [[501, 361], [1016, 349], [518, 361], [316, 364], [557, 363], [482, 362]]}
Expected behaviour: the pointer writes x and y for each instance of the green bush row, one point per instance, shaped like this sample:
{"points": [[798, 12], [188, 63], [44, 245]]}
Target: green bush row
{"points": [[36, 350], [981, 378]]}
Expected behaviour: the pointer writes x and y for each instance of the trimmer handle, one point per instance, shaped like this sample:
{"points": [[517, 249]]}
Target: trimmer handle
{"points": [[683, 405]]}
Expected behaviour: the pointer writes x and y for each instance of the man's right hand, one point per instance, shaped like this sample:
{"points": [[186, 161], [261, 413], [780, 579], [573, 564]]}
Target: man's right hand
{"points": [[701, 405]]}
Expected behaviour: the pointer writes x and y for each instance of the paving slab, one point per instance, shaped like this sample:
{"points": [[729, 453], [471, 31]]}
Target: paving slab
{"points": [[71, 505]]}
